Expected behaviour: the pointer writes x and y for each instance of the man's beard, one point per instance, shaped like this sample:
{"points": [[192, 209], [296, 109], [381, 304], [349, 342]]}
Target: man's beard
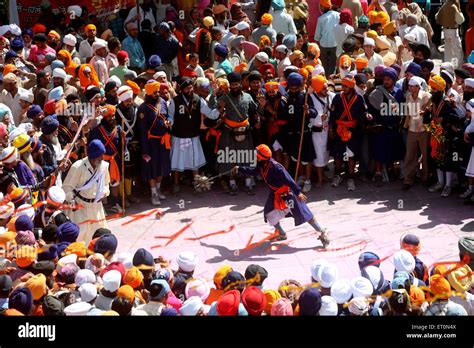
{"points": [[55, 140], [236, 92], [417, 60], [28, 159], [437, 97]]}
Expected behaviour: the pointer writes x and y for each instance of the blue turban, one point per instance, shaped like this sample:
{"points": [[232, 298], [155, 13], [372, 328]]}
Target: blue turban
{"points": [[154, 61], [21, 299], [10, 54], [400, 279], [57, 64], [17, 44], [427, 64], [56, 93], [142, 258], [367, 259], [414, 69], [107, 244], [33, 111], [221, 50], [68, 232], [289, 40], [391, 73], [95, 149], [169, 312], [234, 77], [310, 302], [48, 254], [165, 289], [278, 5], [363, 20], [294, 79], [23, 223], [49, 125], [28, 32]]}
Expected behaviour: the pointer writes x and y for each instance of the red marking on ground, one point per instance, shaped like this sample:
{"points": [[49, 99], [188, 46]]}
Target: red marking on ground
{"points": [[212, 234]]}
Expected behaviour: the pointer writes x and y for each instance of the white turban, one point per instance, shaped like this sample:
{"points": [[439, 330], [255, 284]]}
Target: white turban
{"points": [[124, 93], [9, 155], [361, 287], [341, 290], [70, 40], [328, 306], [187, 261], [404, 261], [327, 275]]}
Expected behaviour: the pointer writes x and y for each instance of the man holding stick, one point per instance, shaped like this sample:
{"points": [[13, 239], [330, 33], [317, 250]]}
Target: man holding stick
{"points": [[285, 199]]}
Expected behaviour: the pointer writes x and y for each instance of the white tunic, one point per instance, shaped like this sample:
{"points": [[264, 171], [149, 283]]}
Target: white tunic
{"points": [[320, 139], [81, 171]]}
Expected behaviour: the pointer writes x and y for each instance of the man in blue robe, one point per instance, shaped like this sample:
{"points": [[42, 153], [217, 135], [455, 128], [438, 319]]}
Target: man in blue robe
{"points": [[285, 199]]}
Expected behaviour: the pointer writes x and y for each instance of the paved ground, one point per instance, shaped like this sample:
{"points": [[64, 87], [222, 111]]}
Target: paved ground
{"points": [[370, 219]]}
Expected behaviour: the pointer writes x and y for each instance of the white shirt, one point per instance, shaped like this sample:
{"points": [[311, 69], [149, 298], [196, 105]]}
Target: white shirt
{"points": [[85, 50], [111, 61], [151, 308], [342, 31], [282, 64], [420, 34], [13, 103], [283, 22], [100, 67], [148, 15], [375, 60], [322, 109]]}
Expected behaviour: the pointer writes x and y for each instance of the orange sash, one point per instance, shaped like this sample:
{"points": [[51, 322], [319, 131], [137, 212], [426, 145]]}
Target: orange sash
{"points": [[165, 138], [113, 166], [216, 133], [278, 202], [234, 124], [343, 125]]}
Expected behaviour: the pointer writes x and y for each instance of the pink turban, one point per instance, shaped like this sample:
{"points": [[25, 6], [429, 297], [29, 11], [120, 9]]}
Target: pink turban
{"points": [[3, 130], [345, 16]]}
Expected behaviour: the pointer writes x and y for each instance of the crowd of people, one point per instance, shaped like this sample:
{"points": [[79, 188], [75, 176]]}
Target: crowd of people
{"points": [[96, 110]]}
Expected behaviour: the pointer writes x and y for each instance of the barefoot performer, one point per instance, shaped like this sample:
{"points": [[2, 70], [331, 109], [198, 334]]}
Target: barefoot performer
{"points": [[285, 199]]}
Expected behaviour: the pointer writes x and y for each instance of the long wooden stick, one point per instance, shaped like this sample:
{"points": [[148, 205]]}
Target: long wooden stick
{"points": [[302, 129], [123, 166]]}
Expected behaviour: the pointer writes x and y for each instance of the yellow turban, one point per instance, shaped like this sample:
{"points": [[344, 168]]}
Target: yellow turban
{"points": [[90, 27], [372, 34], [304, 72], [295, 55], [389, 28], [440, 287], [325, 3], [152, 87], [135, 87], [220, 274], [208, 22], [264, 41], [267, 19], [437, 83], [417, 296], [372, 16], [382, 17], [78, 248], [318, 82], [461, 279], [271, 296]]}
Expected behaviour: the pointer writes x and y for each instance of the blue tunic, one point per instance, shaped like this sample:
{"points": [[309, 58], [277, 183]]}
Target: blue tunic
{"points": [[149, 124], [24, 174], [276, 176]]}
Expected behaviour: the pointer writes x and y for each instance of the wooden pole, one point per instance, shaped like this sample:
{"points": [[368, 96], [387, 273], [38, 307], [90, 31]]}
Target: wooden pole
{"points": [[302, 127], [123, 166]]}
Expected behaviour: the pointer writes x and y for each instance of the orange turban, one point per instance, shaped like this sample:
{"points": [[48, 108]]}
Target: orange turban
{"points": [[267, 19], [325, 3], [70, 65], [361, 63], [38, 28], [304, 72], [135, 88], [417, 296], [109, 111], [372, 16], [9, 68], [152, 87], [318, 82], [54, 34], [437, 83], [345, 62], [78, 248], [349, 81], [271, 296], [272, 86], [87, 81], [264, 41], [133, 277], [127, 292], [90, 27], [440, 287], [7, 238], [314, 48], [25, 255], [240, 67], [263, 152]]}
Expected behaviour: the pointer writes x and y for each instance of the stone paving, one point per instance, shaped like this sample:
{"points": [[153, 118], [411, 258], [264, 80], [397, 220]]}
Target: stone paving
{"points": [[369, 219]]}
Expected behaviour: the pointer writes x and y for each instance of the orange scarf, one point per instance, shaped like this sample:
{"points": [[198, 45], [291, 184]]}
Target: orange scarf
{"points": [[70, 66]]}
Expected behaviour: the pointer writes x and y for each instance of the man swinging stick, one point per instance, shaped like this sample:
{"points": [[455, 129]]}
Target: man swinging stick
{"points": [[285, 199]]}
